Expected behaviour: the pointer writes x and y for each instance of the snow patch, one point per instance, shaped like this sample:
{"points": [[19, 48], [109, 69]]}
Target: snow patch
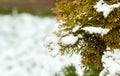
{"points": [[61, 22], [98, 30], [76, 28], [69, 40], [101, 6], [53, 45], [111, 63], [90, 18]]}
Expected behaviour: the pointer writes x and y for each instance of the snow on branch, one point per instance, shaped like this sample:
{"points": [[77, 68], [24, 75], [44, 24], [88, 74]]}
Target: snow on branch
{"points": [[69, 40], [101, 6], [111, 63], [98, 30]]}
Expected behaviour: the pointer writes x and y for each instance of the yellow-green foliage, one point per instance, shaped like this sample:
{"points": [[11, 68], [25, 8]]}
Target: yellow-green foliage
{"points": [[90, 46]]}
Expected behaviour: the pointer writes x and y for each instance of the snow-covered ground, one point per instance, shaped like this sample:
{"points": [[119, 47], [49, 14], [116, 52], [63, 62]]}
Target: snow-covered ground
{"points": [[22, 50]]}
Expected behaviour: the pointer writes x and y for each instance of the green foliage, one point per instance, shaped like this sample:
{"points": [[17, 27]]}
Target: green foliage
{"points": [[91, 72], [69, 70], [90, 46], [7, 9]]}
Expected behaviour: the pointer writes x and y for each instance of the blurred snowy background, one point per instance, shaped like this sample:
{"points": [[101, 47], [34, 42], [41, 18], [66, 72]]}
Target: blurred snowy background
{"points": [[22, 47], [24, 28]]}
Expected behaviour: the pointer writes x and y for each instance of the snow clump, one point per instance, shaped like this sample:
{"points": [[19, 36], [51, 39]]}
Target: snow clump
{"points": [[98, 30], [69, 40], [101, 6], [111, 63]]}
